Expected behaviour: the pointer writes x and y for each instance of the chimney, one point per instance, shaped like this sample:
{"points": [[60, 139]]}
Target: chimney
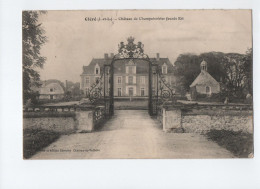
{"points": [[66, 85], [106, 56], [157, 56], [111, 55]]}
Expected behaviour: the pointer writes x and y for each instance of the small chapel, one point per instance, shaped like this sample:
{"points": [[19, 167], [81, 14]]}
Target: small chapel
{"points": [[204, 84]]}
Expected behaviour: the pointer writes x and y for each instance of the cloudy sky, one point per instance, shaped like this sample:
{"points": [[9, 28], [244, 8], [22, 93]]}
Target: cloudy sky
{"points": [[73, 42]]}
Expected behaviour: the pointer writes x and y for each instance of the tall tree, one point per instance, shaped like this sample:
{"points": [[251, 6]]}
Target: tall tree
{"points": [[248, 69], [235, 80], [33, 39]]}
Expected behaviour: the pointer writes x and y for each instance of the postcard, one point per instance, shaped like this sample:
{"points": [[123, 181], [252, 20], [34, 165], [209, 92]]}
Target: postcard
{"points": [[137, 84]]}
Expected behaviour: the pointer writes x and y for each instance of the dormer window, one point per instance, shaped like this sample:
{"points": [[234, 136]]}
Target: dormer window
{"points": [[97, 69], [164, 69]]}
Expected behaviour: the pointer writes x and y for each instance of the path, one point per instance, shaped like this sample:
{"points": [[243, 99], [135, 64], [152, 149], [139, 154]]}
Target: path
{"points": [[132, 134]]}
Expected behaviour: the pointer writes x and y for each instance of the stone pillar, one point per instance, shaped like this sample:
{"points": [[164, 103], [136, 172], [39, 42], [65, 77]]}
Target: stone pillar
{"points": [[84, 121], [172, 120]]}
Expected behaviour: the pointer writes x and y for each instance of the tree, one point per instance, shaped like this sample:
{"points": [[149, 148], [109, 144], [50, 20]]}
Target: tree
{"points": [[248, 69], [235, 80], [33, 39], [186, 70], [232, 70], [187, 67]]}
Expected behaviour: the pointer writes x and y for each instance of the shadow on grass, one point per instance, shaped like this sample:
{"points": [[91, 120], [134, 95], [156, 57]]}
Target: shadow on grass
{"points": [[239, 143], [35, 140]]}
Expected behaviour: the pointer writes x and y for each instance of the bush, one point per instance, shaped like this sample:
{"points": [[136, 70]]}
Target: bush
{"points": [[239, 143], [35, 140], [33, 96], [214, 97]]}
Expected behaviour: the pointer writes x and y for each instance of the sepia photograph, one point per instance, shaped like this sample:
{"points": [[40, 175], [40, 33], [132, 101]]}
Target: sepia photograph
{"points": [[137, 84]]}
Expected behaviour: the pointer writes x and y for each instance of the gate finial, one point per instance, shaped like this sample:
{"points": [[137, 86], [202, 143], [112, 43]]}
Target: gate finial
{"points": [[131, 50]]}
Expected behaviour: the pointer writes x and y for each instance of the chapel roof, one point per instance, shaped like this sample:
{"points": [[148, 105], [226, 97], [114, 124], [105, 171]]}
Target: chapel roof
{"points": [[204, 78]]}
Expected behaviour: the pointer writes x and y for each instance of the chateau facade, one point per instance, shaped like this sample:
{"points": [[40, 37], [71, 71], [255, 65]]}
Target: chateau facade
{"points": [[131, 77]]}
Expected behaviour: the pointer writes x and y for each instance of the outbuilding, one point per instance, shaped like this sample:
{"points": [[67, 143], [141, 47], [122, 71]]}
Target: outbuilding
{"points": [[204, 84]]}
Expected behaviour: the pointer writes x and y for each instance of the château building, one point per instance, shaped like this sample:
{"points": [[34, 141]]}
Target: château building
{"points": [[131, 76]]}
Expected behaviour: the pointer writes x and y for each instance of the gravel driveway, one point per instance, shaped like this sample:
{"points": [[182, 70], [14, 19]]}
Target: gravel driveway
{"points": [[132, 134]]}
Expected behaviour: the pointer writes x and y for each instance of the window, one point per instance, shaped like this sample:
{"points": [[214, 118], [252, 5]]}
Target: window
{"points": [[131, 91], [164, 69], [87, 91], [153, 91], [97, 71], [87, 80], [51, 89], [142, 80], [96, 79], [119, 80], [130, 80], [119, 92], [130, 69], [142, 91], [208, 90]]}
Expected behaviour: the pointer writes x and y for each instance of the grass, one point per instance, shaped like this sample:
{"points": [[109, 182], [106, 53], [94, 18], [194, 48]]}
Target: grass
{"points": [[134, 104], [35, 140], [239, 143]]}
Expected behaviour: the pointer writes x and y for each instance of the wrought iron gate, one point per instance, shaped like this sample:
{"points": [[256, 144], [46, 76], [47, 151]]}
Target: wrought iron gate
{"points": [[108, 90], [159, 90]]}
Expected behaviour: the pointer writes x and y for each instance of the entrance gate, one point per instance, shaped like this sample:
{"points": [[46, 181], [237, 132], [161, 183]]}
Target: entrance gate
{"points": [[102, 91]]}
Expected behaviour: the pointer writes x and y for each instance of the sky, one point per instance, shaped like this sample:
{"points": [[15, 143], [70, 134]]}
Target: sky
{"points": [[74, 42]]}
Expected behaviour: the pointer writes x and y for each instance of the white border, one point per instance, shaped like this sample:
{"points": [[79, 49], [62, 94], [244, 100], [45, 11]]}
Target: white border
{"points": [[18, 173]]}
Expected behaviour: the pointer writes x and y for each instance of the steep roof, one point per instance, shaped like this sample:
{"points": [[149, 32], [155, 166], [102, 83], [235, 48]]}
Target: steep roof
{"points": [[45, 89], [204, 78], [142, 66], [45, 83]]}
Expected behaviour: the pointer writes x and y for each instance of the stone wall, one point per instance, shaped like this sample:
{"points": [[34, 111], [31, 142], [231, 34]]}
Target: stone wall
{"points": [[202, 119], [227, 120], [57, 124], [64, 120]]}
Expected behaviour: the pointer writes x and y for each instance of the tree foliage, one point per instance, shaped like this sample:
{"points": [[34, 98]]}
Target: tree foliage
{"points": [[187, 67], [248, 69], [235, 74], [33, 39], [232, 70]]}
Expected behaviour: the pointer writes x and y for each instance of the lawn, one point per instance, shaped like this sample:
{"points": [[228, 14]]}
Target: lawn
{"points": [[134, 104], [35, 140], [239, 143]]}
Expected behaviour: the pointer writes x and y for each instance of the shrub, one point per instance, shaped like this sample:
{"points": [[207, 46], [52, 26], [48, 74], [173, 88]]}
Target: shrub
{"points": [[35, 140], [239, 143]]}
